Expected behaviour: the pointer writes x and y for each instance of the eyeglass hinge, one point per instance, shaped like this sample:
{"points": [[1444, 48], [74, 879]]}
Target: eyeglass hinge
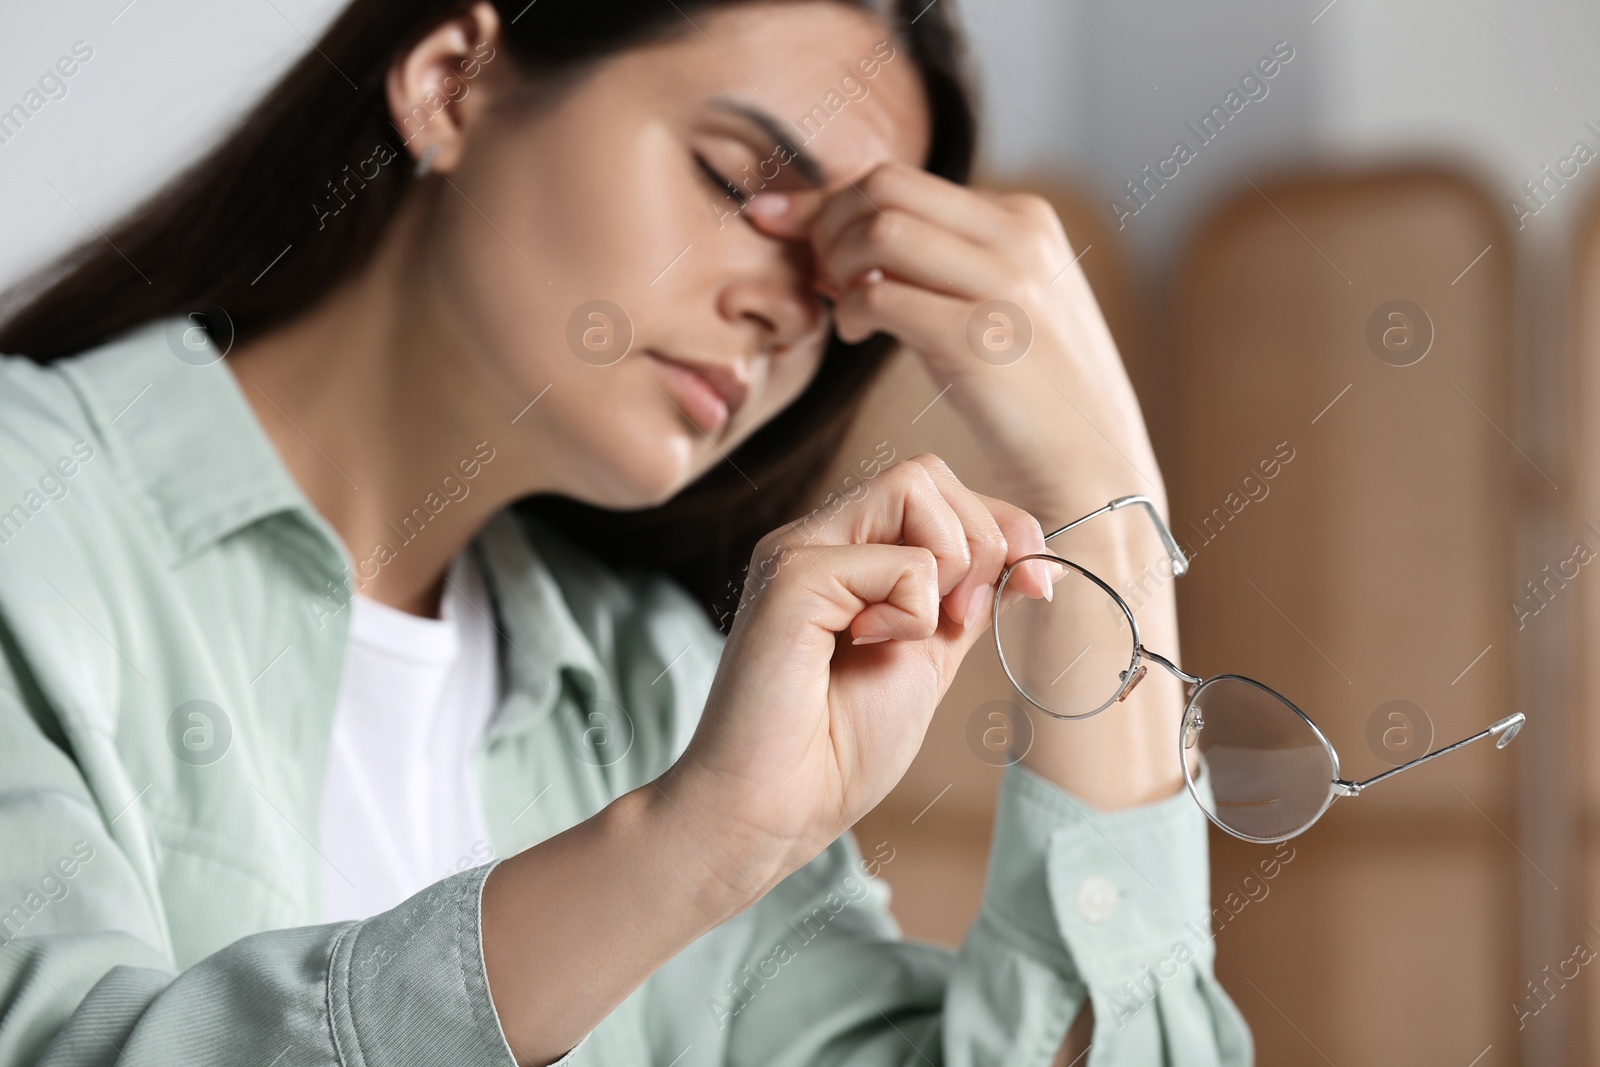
{"points": [[1346, 789]]}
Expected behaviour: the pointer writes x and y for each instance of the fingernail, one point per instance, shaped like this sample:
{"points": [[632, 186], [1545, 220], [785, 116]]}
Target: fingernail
{"points": [[873, 275], [1042, 569], [977, 604], [868, 640], [769, 205]]}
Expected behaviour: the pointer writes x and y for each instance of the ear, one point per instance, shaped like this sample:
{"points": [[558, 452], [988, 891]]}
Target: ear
{"points": [[427, 89]]}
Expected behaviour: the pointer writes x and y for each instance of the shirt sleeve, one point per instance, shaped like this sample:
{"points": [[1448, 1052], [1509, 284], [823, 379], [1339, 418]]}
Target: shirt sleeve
{"points": [[1112, 906], [87, 975]]}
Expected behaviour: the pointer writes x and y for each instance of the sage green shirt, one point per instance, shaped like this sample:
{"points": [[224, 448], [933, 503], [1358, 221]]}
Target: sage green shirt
{"points": [[173, 620]]}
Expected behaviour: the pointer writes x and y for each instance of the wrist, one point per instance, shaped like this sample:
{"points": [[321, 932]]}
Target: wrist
{"points": [[1122, 548], [1064, 493], [1076, 495], [724, 871], [1125, 757], [571, 926]]}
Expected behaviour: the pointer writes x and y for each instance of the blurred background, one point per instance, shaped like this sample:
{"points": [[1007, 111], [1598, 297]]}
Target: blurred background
{"points": [[1416, 571]]}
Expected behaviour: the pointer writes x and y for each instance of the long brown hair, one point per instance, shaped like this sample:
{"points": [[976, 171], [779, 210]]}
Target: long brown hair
{"points": [[208, 235]]}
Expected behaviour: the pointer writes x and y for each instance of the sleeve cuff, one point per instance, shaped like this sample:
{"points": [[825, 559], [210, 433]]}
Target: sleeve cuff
{"points": [[1097, 895], [409, 985]]}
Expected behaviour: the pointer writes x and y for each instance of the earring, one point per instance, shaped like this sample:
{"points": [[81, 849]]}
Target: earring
{"points": [[425, 164]]}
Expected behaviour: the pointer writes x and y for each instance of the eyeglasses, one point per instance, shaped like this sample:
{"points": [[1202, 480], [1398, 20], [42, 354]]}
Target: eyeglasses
{"points": [[1272, 772]]}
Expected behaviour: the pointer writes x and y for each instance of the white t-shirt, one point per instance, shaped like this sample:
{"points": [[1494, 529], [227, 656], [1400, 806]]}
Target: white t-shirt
{"points": [[400, 802]]}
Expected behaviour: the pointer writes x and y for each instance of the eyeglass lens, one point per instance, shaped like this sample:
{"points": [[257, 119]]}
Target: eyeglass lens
{"points": [[1068, 654], [1271, 774]]}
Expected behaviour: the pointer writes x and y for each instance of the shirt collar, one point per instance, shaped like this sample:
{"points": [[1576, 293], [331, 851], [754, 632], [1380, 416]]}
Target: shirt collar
{"points": [[183, 433], [545, 645]]}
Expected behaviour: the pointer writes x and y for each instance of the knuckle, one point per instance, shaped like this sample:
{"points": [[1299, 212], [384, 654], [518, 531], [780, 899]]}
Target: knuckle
{"points": [[771, 552], [1031, 206], [915, 479], [935, 464], [990, 540], [923, 565], [881, 230], [875, 298], [768, 544], [907, 472], [881, 179]]}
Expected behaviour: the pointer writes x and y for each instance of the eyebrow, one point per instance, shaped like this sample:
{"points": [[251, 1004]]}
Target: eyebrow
{"points": [[808, 166]]}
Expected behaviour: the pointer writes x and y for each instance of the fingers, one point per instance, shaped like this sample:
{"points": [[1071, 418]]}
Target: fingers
{"points": [[895, 206], [986, 544], [901, 186], [998, 534], [1024, 537], [920, 318], [921, 504], [877, 592], [905, 246], [902, 505], [904, 223], [786, 215]]}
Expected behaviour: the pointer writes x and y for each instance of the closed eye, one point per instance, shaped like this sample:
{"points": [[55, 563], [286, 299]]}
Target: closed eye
{"points": [[718, 180]]}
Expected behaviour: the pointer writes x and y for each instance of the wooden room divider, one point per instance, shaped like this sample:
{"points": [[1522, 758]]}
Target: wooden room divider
{"points": [[1354, 336], [1360, 331], [1584, 526]]}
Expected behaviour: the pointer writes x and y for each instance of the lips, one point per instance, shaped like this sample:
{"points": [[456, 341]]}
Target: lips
{"points": [[709, 394]]}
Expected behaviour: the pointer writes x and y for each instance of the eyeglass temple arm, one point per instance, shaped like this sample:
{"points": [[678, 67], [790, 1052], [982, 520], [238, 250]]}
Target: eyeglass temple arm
{"points": [[1180, 562], [1506, 728]]}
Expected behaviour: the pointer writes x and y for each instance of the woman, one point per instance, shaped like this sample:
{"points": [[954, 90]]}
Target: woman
{"points": [[535, 314]]}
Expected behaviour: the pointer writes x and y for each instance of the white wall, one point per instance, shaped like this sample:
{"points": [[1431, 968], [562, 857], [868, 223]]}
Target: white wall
{"points": [[165, 78]]}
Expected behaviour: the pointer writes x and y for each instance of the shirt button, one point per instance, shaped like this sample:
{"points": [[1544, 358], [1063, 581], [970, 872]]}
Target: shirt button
{"points": [[1097, 900]]}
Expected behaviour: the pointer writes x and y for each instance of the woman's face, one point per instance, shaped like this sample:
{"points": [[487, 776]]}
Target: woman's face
{"points": [[617, 194]]}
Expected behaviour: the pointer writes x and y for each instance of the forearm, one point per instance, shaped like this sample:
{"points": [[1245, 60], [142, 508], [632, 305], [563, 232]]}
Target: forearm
{"points": [[1089, 425], [575, 924], [1128, 754]]}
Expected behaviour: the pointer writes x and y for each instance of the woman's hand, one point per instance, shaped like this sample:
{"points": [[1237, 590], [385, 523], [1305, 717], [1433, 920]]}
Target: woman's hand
{"points": [[851, 629], [849, 633], [911, 254]]}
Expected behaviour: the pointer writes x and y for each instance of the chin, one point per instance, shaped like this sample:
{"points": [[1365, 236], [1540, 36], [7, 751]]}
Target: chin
{"points": [[647, 475]]}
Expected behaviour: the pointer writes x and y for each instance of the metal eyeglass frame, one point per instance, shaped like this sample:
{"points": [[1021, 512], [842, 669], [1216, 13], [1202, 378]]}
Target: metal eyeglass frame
{"points": [[1192, 722]]}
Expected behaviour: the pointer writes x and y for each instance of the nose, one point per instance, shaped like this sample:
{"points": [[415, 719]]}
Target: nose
{"points": [[774, 303]]}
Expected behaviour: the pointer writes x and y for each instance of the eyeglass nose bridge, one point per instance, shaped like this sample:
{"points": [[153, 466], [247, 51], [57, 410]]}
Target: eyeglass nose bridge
{"points": [[1194, 723], [1144, 654], [1136, 672]]}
